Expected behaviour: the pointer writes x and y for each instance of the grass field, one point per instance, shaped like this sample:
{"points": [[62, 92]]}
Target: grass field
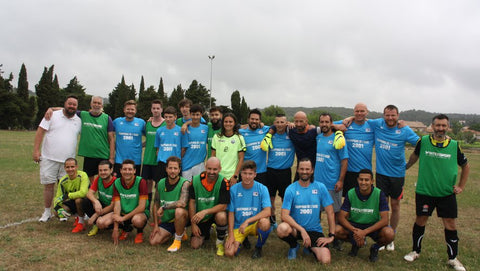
{"points": [[40, 246]]}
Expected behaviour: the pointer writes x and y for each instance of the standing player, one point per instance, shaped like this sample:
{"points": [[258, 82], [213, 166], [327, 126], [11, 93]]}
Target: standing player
{"points": [[128, 132], [214, 126], [437, 187], [195, 142], [58, 138]]}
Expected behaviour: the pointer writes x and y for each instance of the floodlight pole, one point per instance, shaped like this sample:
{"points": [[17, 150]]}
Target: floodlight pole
{"points": [[211, 71]]}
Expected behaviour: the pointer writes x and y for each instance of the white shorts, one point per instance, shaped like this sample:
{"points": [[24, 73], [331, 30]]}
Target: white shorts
{"points": [[194, 171], [51, 171]]}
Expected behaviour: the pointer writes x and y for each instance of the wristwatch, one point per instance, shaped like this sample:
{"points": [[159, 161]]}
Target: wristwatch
{"points": [[331, 235]]}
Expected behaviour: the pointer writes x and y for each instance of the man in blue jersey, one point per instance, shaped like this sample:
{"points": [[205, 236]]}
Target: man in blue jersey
{"points": [[253, 136], [301, 208], [195, 142], [280, 161], [248, 212], [390, 143], [168, 140], [128, 133]]}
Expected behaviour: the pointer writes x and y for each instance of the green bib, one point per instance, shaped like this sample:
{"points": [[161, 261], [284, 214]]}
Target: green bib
{"points": [[105, 193], [364, 212], [94, 137], [203, 198], [168, 197], [129, 198], [150, 154], [210, 135]]}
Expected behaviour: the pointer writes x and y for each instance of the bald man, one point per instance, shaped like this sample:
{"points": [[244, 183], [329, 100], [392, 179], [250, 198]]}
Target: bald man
{"points": [[209, 197]]}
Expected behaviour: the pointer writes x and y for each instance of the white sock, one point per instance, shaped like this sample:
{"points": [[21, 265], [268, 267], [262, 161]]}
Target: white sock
{"points": [[48, 210], [179, 237], [80, 219]]}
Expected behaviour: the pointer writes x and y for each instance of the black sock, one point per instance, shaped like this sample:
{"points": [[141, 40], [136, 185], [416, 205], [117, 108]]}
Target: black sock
{"points": [[452, 243], [417, 236], [221, 231], [273, 219], [150, 197], [291, 240]]}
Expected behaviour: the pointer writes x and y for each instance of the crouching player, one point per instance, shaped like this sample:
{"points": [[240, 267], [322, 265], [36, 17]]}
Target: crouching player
{"points": [[248, 212], [209, 197], [72, 188], [100, 210], [365, 213], [130, 196], [170, 215]]}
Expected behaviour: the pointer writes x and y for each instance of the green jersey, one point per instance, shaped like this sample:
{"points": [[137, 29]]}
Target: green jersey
{"points": [[211, 133], [75, 189], [205, 199], [105, 193], [94, 136], [129, 198], [169, 197], [150, 154], [226, 150], [364, 212]]}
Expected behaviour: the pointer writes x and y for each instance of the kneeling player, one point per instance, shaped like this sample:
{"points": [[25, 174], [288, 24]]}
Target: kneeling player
{"points": [[170, 206], [365, 213]]}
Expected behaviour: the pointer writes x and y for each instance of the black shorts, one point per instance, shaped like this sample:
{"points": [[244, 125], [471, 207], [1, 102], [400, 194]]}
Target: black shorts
{"points": [[70, 204], [314, 235], [117, 167], [87, 206], [446, 206], [349, 182], [374, 235], [391, 186], [168, 226], [205, 227], [152, 172], [278, 180], [90, 165]]}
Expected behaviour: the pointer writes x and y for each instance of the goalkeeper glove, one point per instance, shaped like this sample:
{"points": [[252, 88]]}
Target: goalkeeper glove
{"points": [[339, 140], [266, 142]]}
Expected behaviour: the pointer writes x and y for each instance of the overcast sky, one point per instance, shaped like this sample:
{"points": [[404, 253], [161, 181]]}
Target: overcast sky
{"points": [[414, 54]]}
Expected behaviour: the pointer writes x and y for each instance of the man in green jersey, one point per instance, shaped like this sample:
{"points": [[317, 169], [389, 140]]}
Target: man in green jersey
{"points": [[209, 197], [169, 212], [72, 188], [364, 212], [437, 187], [130, 197]]}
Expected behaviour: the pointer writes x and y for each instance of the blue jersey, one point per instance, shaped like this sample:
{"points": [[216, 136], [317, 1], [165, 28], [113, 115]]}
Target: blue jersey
{"points": [[283, 152], [195, 140], [168, 142], [328, 162], [253, 138], [360, 140], [247, 203], [305, 203], [390, 147], [128, 139]]}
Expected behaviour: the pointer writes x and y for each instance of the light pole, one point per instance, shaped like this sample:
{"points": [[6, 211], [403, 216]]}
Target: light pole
{"points": [[211, 71]]}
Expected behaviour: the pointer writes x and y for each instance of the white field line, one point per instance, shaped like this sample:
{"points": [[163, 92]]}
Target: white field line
{"points": [[19, 223]]}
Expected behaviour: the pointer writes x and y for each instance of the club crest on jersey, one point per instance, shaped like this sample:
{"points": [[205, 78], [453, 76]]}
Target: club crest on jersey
{"points": [[315, 191], [297, 193], [175, 133], [232, 141], [136, 124], [255, 194], [368, 130], [239, 194], [330, 142], [203, 131], [162, 133], [398, 132]]}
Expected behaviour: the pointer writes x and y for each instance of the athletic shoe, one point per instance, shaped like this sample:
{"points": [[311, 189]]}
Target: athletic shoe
{"points": [[78, 228], [45, 217], [337, 244], [257, 253], [354, 251], [185, 236], [373, 257], [93, 231], [381, 248], [75, 223], [139, 238], [176, 245], [391, 246], [456, 264], [292, 253], [220, 250], [412, 256], [246, 243], [123, 235]]}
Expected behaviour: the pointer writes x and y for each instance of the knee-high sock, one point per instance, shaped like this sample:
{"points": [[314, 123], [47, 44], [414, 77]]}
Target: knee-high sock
{"points": [[452, 243], [262, 237], [221, 230], [417, 237], [291, 240]]}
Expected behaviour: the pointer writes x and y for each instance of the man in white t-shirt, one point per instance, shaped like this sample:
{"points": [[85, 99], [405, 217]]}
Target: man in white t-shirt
{"points": [[58, 138]]}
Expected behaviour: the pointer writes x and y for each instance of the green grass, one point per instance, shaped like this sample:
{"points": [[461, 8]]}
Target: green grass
{"points": [[39, 246]]}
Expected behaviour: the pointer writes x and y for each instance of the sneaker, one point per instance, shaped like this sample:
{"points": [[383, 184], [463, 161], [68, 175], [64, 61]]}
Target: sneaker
{"points": [[185, 236], [93, 231], [412, 256], [456, 264], [381, 248], [139, 238], [337, 244], [257, 253], [176, 245], [123, 235], [292, 253], [45, 217], [354, 251], [373, 257], [75, 223], [78, 228], [220, 250], [246, 244], [391, 246]]}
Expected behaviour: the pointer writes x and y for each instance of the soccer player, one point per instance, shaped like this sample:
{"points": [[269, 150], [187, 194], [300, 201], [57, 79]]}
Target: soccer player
{"points": [[130, 196], [437, 187], [214, 126], [365, 213], [184, 106], [128, 133], [72, 188], [195, 142], [209, 196], [58, 138], [170, 215], [248, 212], [100, 210], [168, 141], [229, 147], [301, 215]]}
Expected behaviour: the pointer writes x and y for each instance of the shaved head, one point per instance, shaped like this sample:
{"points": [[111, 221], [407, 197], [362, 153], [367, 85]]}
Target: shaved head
{"points": [[213, 161], [300, 114], [213, 168], [300, 120], [360, 113], [360, 106]]}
